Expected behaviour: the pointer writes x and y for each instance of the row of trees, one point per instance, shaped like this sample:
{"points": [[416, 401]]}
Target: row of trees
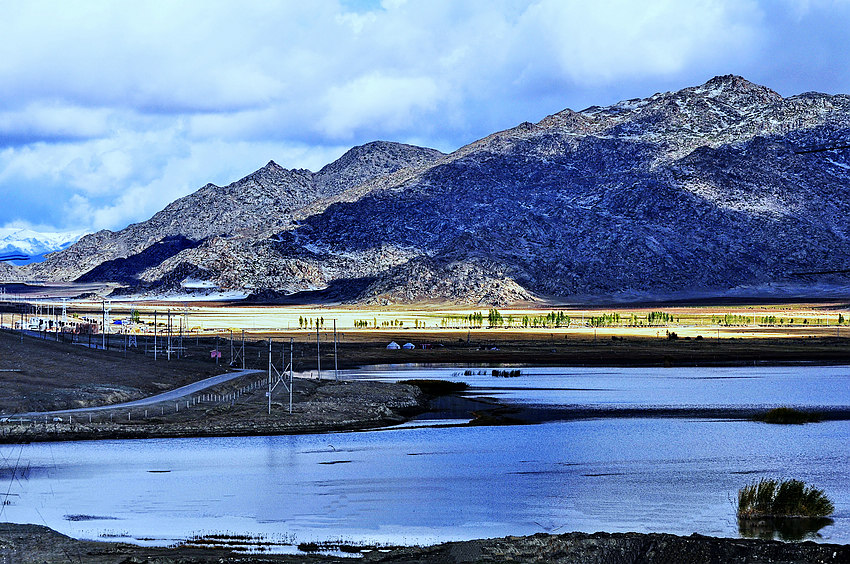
{"points": [[307, 322], [730, 320], [555, 319], [365, 323]]}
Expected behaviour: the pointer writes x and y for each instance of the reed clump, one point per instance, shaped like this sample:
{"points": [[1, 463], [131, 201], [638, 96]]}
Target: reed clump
{"points": [[769, 498], [788, 416]]}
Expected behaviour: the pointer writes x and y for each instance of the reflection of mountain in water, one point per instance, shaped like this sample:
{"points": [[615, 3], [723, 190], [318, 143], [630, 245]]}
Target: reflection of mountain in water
{"points": [[783, 528]]}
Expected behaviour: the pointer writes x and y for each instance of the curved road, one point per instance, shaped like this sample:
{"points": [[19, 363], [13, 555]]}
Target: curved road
{"points": [[172, 395]]}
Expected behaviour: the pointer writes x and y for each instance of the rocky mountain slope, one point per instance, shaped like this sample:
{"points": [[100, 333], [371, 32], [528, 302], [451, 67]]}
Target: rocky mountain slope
{"points": [[703, 190], [249, 209]]}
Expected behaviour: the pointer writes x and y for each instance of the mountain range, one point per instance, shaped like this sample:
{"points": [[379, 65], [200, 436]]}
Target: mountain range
{"points": [[711, 190]]}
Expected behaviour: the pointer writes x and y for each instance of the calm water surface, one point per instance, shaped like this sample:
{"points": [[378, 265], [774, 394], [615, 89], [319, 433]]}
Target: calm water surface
{"points": [[802, 386], [415, 485]]}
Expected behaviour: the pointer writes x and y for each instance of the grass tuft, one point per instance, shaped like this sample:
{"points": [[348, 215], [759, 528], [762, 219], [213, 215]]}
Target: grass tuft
{"points": [[788, 416], [770, 498]]}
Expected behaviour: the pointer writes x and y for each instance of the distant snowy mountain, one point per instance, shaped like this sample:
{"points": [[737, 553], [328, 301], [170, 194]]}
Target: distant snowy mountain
{"points": [[35, 244]]}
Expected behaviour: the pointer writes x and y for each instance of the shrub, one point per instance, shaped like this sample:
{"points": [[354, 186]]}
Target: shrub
{"points": [[770, 498], [788, 416]]}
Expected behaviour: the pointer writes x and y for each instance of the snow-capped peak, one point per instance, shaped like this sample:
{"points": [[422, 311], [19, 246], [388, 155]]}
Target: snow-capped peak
{"points": [[35, 244]]}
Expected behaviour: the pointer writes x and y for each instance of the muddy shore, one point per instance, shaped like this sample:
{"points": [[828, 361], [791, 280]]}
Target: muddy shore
{"points": [[31, 544]]}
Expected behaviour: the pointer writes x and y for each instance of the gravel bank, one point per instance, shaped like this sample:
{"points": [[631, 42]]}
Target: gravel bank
{"points": [[25, 544]]}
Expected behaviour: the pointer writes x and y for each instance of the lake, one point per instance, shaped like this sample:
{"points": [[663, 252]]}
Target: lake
{"points": [[416, 484]]}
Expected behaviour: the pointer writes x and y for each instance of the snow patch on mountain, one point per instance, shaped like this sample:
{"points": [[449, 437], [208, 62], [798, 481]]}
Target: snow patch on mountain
{"points": [[35, 244]]}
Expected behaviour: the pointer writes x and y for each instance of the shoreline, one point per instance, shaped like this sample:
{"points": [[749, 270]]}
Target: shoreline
{"points": [[329, 406], [320, 407], [26, 544], [480, 412]]}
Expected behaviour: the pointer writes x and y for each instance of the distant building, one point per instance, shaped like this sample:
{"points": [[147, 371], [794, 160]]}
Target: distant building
{"points": [[408, 346], [393, 345]]}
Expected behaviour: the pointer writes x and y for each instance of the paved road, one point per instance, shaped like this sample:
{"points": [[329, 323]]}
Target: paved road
{"points": [[172, 395]]}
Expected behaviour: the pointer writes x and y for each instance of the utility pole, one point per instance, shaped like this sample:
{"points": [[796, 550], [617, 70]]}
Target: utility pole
{"points": [[168, 329], [269, 393], [103, 322], [154, 335], [318, 351], [336, 364], [291, 381], [280, 376]]}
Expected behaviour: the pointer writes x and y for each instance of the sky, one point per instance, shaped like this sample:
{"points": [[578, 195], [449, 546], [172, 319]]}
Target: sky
{"points": [[110, 110]]}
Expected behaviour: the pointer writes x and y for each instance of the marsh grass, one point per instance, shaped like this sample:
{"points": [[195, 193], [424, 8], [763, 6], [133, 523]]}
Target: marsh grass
{"points": [[788, 416], [770, 498]]}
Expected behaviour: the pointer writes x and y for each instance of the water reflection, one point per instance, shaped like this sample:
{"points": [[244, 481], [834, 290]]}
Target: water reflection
{"points": [[784, 528]]}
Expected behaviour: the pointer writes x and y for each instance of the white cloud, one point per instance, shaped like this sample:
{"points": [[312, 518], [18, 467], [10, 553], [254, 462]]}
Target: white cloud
{"points": [[378, 102], [609, 40], [110, 182], [49, 119]]}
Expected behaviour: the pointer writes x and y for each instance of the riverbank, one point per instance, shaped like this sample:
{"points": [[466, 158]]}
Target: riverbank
{"points": [[317, 407], [31, 544]]}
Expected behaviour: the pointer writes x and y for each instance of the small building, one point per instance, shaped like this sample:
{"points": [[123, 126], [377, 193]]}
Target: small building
{"points": [[393, 346], [408, 346]]}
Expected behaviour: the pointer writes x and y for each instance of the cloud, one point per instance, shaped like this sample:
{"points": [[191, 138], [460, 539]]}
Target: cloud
{"points": [[108, 183], [611, 40], [52, 121], [378, 102]]}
